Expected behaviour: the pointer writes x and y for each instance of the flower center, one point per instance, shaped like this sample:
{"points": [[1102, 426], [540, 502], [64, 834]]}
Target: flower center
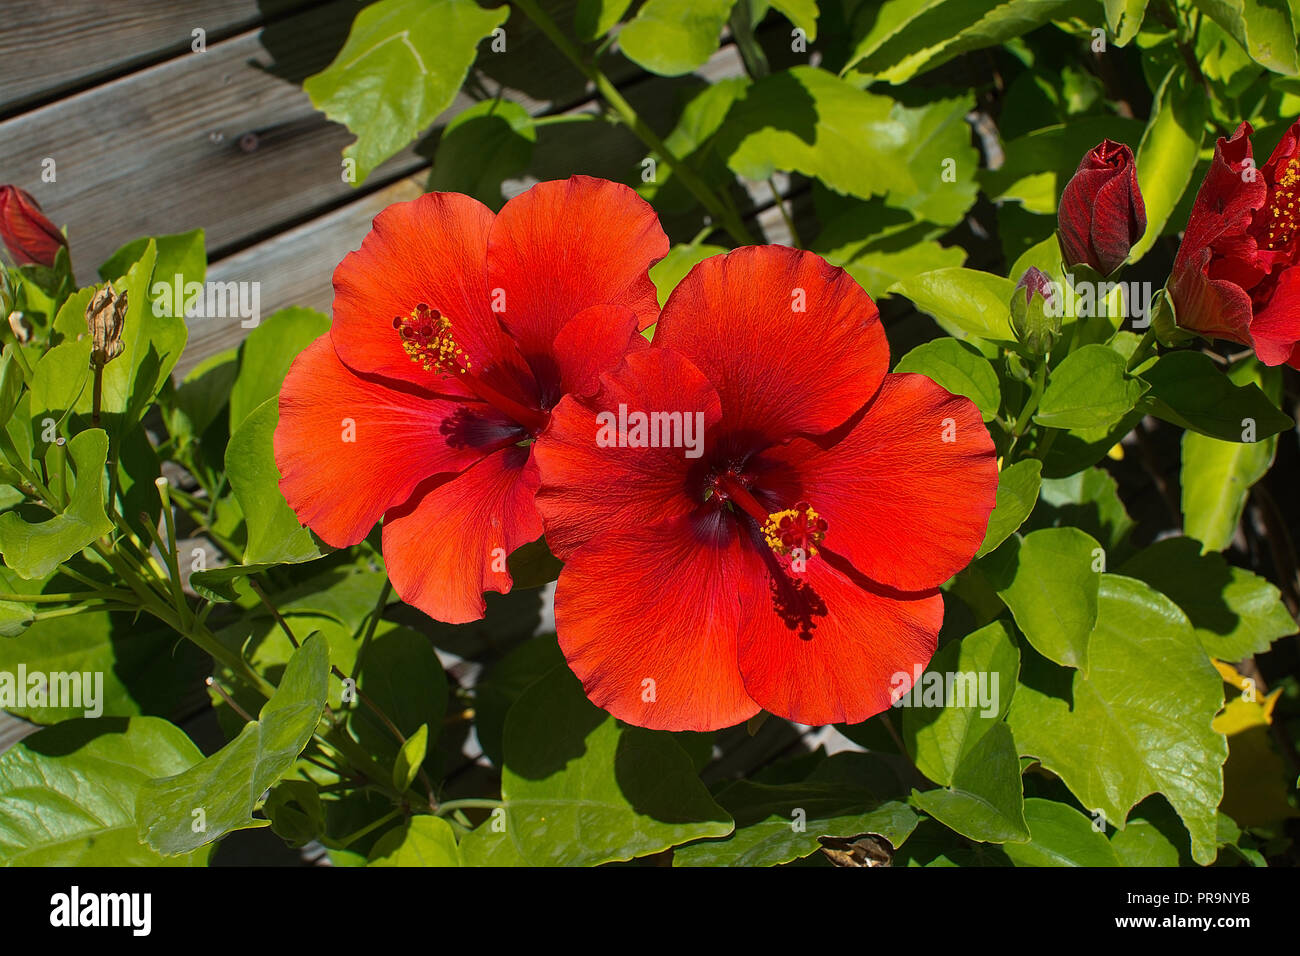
{"points": [[796, 529], [1283, 216], [427, 337], [793, 532], [428, 340]]}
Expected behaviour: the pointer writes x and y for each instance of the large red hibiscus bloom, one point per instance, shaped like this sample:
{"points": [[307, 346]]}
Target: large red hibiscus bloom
{"points": [[793, 564], [455, 333], [1237, 274]]}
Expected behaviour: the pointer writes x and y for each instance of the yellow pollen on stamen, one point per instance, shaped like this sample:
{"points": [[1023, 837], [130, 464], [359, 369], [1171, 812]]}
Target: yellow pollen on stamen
{"points": [[1283, 217], [427, 338], [797, 528]]}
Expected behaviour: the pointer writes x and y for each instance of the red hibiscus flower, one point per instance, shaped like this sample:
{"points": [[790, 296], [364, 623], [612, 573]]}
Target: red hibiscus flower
{"points": [[792, 564], [1237, 274], [29, 236], [455, 333]]}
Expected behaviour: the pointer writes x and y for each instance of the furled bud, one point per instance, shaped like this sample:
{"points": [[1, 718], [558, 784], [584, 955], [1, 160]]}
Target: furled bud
{"points": [[104, 317], [30, 237], [1102, 214], [1035, 313]]}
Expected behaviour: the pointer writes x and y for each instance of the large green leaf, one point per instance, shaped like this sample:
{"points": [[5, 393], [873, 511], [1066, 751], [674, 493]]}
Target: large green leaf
{"points": [[862, 144], [1049, 579], [1265, 29], [180, 813], [1087, 500], [1235, 613], [402, 64], [979, 672], [672, 37], [274, 534], [267, 353], [1124, 17], [1217, 476], [424, 841], [581, 790], [1169, 150], [1060, 835], [985, 801], [1089, 389], [963, 301], [1017, 491], [481, 147], [68, 794], [908, 37], [1189, 390], [959, 368], [34, 550], [1140, 719]]}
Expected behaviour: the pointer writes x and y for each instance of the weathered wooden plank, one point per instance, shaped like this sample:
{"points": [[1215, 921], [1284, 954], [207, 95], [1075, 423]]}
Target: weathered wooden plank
{"points": [[226, 139], [47, 48]]}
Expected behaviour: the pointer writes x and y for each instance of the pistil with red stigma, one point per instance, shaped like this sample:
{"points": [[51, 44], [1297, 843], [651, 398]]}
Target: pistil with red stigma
{"points": [[427, 337], [792, 531]]}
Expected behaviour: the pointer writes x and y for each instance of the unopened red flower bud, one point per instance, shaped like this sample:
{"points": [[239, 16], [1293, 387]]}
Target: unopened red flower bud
{"points": [[29, 236], [104, 318], [1102, 214]]}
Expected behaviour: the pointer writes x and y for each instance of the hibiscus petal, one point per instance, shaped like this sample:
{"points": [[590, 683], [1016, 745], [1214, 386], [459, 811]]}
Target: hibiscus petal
{"points": [[792, 344], [648, 621], [448, 544], [827, 646], [1276, 328], [590, 485], [349, 448], [594, 341], [565, 245], [907, 492], [431, 250]]}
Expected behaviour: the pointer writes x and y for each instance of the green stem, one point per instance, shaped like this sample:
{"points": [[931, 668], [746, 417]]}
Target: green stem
{"points": [[1145, 349], [786, 214], [468, 804], [697, 187]]}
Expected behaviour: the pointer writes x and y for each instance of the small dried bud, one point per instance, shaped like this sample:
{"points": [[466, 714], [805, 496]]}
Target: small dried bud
{"points": [[21, 327], [104, 318]]}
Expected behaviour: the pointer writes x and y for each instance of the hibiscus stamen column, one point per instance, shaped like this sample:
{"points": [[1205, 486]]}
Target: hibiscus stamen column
{"points": [[428, 339], [798, 529]]}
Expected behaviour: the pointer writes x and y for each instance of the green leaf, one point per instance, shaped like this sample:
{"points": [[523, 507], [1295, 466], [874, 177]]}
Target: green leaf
{"points": [[481, 147], [1169, 150], [963, 301], [274, 534], [181, 813], [984, 666], [985, 801], [68, 793], [801, 13], [14, 620], [581, 790], [1148, 838], [777, 824], [959, 368], [908, 37], [402, 65], [1124, 17], [219, 583], [267, 353], [11, 383], [1235, 613], [1189, 390], [424, 841], [673, 37], [1263, 28], [114, 665], [199, 399], [409, 757], [1089, 389], [878, 267], [1017, 492], [400, 672], [1217, 476], [1049, 580], [595, 18], [35, 550], [182, 253], [1140, 721], [503, 683], [1088, 500], [1060, 835], [532, 565]]}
